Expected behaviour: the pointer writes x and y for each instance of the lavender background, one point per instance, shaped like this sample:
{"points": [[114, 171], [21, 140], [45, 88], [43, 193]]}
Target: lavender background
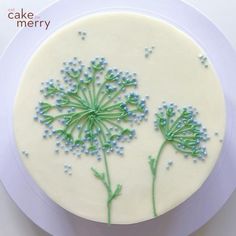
{"points": [[35, 231]]}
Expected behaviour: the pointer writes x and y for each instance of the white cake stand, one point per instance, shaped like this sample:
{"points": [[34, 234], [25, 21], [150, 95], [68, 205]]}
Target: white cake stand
{"points": [[181, 221]]}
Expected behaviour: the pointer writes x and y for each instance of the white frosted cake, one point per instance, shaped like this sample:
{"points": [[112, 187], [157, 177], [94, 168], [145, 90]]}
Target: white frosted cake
{"points": [[119, 117]]}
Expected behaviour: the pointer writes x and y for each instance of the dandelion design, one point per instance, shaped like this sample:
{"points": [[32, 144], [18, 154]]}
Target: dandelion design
{"points": [[183, 132], [89, 112]]}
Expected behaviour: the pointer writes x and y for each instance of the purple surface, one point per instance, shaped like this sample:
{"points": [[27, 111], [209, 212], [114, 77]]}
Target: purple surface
{"points": [[181, 221]]}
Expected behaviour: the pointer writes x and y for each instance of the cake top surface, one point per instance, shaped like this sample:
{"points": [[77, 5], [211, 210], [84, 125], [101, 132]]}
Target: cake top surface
{"points": [[109, 149]]}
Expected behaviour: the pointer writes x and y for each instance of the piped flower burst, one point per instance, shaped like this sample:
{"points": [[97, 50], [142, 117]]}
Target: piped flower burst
{"points": [[87, 111], [181, 129], [89, 108]]}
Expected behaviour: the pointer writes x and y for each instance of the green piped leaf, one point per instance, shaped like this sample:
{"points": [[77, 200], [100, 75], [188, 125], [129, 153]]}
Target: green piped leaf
{"points": [[98, 175], [152, 164], [116, 193]]}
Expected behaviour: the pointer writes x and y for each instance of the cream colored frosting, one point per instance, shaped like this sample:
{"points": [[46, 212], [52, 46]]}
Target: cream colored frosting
{"points": [[173, 72]]}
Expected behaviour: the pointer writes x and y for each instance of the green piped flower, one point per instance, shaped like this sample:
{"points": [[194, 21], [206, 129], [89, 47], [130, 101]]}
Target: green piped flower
{"points": [[91, 112], [180, 129]]}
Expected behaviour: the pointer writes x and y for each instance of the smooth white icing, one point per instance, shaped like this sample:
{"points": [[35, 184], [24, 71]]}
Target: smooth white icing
{"points": [[172, 73]]}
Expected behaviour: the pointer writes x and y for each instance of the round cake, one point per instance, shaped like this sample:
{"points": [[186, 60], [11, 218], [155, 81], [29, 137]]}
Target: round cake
{"points": [[119, 117]]}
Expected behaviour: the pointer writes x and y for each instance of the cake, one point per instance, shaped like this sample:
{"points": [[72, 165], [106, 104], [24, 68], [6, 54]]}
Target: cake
{"points": [[119, 117]]}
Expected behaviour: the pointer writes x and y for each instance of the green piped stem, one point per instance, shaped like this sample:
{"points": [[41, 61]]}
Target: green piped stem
{"points": [[111, 99], [99, 92], [94, 89], [154, 176], [108, 189], [106, 180]]}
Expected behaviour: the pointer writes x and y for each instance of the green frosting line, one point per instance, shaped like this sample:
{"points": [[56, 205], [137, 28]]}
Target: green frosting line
{"points": [[154, 172]]}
